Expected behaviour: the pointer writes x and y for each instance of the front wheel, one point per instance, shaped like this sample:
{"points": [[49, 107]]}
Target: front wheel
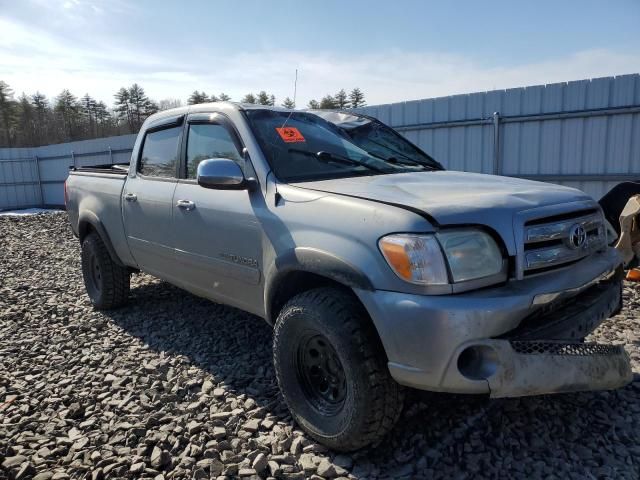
{"points": [[107, 283], [332, 370]]}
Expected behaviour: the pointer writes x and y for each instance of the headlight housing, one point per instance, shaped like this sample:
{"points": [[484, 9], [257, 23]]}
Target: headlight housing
{"points": [[471, 254], [415, 258], [422, 259]]}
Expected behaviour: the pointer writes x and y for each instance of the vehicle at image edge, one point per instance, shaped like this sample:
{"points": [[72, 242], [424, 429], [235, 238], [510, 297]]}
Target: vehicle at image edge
{"points": [[377, 268]]}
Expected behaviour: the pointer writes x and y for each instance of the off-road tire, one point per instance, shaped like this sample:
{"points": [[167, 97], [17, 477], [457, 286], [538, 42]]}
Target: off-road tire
{"points": [[373, 400], [108, 286]]}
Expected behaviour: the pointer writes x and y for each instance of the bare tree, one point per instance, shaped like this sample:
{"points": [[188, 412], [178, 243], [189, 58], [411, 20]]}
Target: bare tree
{"points": [[168, 103]]}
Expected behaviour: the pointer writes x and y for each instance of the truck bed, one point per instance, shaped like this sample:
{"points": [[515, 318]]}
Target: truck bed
{"points": [[98, 190]]}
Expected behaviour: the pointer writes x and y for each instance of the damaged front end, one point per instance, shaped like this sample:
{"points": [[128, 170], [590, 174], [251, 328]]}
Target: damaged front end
{"points": [[547, 353]]}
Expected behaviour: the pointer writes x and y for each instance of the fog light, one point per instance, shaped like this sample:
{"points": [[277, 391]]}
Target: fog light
{"points": [[478, 362]]}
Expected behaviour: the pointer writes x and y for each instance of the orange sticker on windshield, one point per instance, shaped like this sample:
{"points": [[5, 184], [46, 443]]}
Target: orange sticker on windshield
{"points": [[290, 134]]}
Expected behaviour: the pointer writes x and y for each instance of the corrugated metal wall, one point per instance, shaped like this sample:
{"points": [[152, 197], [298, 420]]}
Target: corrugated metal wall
{"points": [[585, 134], [34, 176]]}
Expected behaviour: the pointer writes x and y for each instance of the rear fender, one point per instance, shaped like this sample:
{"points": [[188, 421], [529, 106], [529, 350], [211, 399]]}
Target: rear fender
{"points": [[89, 221]]}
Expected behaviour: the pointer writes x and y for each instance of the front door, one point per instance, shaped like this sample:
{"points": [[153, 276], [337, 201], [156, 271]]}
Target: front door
{"points": [[147, 203], [217, 237]]}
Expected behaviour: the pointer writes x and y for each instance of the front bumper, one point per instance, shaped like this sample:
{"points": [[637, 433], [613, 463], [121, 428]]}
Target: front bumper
{"points": [[523, 338]]}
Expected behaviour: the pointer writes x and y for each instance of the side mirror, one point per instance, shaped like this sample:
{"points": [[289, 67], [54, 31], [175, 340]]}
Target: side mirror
{"points": [[222, 174]]}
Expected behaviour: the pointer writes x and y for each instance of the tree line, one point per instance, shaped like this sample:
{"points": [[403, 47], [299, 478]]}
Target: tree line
{"points": [[34, 120], [340, 100]]}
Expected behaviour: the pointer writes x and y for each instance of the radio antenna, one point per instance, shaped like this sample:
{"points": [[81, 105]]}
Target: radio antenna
{"points": [[295, 91]]}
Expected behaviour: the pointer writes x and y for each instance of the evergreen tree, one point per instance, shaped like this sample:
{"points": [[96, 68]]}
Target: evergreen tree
{"points": [[122, 107], [33, 121], [104, 120], [89, 111], [141, 106], [288, 103], [313, 104], [133, 105], [40, 103], [357, 98], [198, 97], [212, 98], [262, 98], [341, 99], [249, 98], [42, 115], [8, 114], [223, 97], [26, 125], [68, 110], [328, 103]]}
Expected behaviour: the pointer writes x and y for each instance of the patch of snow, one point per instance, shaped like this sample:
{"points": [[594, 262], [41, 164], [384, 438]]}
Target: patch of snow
{"points": [[28, 211]]}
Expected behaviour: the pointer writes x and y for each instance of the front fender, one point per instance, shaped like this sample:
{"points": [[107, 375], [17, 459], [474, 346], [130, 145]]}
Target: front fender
{"points": [[312, 260]]}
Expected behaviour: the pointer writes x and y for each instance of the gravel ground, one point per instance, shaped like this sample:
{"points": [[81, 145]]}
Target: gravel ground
{"points": [[173, 386]]}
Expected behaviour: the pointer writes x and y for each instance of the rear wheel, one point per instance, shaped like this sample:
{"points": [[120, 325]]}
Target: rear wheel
{"points": [[106, 282], [332, 370]]}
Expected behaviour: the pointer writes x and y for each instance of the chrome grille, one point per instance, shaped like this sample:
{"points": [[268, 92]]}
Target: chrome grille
{"points": [[557, 241]]}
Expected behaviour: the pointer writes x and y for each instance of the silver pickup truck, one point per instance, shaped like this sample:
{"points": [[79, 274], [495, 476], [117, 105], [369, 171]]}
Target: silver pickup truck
{"points": [[377, 268]]}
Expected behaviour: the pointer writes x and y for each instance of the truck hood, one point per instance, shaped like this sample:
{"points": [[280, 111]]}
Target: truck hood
{"points": [[453, 198]]}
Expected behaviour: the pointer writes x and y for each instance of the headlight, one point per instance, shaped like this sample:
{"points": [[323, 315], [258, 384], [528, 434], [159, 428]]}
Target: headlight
{"points": [[470, 254], [415, 258]]}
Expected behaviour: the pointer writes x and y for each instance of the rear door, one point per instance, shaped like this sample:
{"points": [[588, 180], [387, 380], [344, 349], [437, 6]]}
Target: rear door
{"points": [[218, 240], [148, 195]]}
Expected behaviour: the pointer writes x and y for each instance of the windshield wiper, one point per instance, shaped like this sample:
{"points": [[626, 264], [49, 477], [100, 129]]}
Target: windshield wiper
{"points": [[327, 157], [335, 157], [406, 157]]}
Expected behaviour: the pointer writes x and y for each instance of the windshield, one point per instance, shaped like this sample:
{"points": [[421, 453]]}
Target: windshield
{"points": [[378, 139], [302, 146]]}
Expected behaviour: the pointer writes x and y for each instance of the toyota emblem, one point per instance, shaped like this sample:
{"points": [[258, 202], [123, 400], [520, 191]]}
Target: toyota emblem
{"points": [[577, 237]]}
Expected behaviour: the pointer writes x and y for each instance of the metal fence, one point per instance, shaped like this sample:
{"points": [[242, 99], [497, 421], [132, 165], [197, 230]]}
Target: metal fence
{"points": [[584, 134], [33, 177]]}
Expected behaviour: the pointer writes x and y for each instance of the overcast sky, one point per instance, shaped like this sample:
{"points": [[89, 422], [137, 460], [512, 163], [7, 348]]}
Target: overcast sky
{"points": [[393, 50]]}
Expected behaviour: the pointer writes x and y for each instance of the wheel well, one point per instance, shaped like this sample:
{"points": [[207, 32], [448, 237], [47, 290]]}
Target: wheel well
{"points": [[84, 229], [292, 284], [296, 282]]}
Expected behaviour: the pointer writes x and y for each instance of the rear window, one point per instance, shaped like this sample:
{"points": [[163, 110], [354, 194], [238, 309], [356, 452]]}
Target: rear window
{"points": [[160, 153]]}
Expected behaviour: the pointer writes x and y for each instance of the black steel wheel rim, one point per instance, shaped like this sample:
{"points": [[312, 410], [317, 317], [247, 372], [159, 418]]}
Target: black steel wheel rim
{"points": [[95, 275], [321, 374]]}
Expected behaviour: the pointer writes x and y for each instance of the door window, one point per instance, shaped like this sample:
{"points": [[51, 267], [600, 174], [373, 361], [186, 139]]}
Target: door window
{"points": [[206, 141], [160, 153]]}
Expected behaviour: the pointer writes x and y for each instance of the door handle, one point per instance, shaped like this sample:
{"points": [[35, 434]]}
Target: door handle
{"points": [[185, 204], [130, 197]]}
